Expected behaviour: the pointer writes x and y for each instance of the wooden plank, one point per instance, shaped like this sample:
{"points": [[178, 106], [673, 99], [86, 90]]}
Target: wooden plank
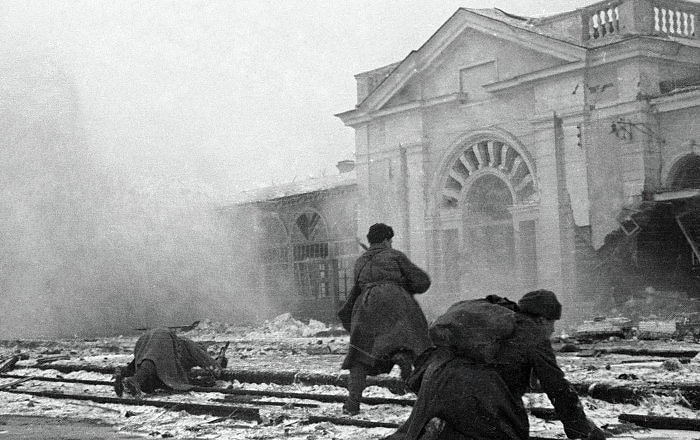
{"points": [[234, 412], [15, 383], [9, 364], [660, 422]]}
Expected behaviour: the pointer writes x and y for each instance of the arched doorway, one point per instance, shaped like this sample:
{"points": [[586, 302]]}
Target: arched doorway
{"points": [[274, 255], [488, 246], [685, 174], [485, 222]]}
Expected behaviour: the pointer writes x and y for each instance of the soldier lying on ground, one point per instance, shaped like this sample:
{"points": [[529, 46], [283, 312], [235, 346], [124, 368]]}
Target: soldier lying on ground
{"points": [[163, 360], [474, 382]]}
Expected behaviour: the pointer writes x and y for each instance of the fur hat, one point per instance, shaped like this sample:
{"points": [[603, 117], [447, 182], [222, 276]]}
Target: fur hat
{"points": [[379, 232], [540, 303]]}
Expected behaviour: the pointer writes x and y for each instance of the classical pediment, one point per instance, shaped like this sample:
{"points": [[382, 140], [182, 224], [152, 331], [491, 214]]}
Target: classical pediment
{"points": [[471, 46]]}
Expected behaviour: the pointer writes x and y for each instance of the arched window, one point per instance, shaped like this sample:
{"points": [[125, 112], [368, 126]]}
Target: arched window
{"points": [[487, 157], [313, 268]]}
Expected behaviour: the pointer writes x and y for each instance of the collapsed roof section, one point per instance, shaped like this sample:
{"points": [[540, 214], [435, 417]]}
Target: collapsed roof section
{"points": [[307, 186], [657, 244]]}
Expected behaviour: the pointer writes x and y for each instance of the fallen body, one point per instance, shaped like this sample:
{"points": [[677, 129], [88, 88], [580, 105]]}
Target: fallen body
{"points": [[163, 360]]}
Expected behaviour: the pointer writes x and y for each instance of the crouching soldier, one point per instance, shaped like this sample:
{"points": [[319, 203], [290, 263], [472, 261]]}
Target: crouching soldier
{"points": [[162, 360], [474, 379]]}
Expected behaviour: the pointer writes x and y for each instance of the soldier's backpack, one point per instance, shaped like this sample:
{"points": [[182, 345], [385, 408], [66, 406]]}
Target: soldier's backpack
{"points": [[475, 329]]}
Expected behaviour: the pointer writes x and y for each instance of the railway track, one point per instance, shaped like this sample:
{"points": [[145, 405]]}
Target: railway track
{"points": [[241, 403], [620, 393], [326, 398], [248, 405]]}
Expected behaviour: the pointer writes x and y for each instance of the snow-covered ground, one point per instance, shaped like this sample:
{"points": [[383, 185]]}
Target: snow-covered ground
{"points": [[288, 345]]}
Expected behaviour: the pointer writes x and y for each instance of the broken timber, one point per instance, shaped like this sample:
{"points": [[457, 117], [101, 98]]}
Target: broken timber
{"points": [[9, 364], [49, 359], [230, 411], [294, 377], [249, 400], [15, 383], [680, 353], [327, 398], [347, 421], [60, 379], [634, 393], [659, 422]]}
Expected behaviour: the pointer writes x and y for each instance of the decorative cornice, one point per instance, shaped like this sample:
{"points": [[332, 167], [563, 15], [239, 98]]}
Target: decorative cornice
{"points": [[545, 120], [526, 78], [391, 153], [356, 117], [677, 101], [461, 20]]}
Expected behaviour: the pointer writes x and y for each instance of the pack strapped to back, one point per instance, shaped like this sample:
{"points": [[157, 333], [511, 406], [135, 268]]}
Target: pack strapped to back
{"points": [[474, 329]]}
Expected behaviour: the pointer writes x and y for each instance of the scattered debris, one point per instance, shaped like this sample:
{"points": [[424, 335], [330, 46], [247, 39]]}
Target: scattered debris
{"points": [[656, 329], [672, 364], [286, 325], [604, 328], [696, 359], [49, 359]]}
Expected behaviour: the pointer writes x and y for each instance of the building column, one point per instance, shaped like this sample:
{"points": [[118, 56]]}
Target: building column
{"points": [[549, 252], [414, 182]]}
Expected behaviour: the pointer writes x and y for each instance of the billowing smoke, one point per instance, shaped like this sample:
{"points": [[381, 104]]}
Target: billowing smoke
{"points": [[89, 250]]}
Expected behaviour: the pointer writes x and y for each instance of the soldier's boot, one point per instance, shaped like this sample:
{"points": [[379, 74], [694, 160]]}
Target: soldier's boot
{"points": [[356, 385], [118, 382], [132, 386]]}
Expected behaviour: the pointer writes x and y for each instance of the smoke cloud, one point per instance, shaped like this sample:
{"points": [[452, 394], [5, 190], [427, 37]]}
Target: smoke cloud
{"points": [[87, 249]]}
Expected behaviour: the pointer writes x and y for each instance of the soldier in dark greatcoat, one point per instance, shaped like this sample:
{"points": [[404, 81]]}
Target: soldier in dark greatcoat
{"points": [[388, 326], [163, 360], [483, 401]]}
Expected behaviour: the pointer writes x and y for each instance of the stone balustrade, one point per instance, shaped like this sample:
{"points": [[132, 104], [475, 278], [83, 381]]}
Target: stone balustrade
{"points": [[675, 18], [603, 21], [643, 17]]}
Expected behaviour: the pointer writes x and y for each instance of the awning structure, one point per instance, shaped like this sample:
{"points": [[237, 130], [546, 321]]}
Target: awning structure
{"points": [[680, 194], [689, 225]]}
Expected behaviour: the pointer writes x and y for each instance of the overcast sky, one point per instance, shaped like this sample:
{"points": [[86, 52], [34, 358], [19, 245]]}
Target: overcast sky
{"points": [[233, 94]]}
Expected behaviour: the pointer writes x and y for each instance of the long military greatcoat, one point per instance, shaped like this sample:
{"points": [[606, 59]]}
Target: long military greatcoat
{"points": [[386, 318], [484, 402], [173, 356]]}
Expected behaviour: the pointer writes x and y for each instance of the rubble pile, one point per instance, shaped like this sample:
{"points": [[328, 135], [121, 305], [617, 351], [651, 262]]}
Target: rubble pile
{"points": [[649, 315], [285, 325], [654, 305], [209, 326]]}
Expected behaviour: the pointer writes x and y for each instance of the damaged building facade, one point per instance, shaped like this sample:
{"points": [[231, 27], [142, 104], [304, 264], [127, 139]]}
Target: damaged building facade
{"points": [[560, 152], [303, 242], [512, 153]]}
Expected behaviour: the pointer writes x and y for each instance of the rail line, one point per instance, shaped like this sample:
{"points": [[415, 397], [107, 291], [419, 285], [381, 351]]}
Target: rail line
{"points": [[320, 397], [618, 393], [251, 412]]}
